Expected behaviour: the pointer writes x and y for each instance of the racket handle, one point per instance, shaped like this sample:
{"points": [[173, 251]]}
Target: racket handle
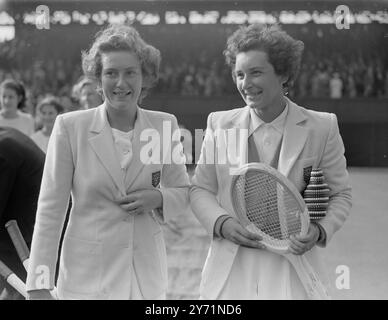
{"points": [[314, 287], [12, 279], [18, 240], [5, 272], [25, 264]]}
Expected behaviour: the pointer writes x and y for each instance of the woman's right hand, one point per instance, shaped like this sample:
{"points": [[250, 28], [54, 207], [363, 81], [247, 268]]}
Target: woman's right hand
{"points": [[42, 294], [232, 230]]}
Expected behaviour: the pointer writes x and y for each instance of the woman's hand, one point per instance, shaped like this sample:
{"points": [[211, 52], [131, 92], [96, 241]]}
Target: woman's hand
{"points": [[141, 201], [299, 245], [232, 230]]}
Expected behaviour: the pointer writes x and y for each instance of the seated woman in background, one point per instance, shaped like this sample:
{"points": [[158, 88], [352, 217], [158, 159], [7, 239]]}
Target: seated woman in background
{"points": [[12, 100], [47, 110]]}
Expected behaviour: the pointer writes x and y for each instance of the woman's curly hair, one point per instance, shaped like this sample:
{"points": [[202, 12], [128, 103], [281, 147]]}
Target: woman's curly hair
{"points": [[122, 38], [283, 51]]}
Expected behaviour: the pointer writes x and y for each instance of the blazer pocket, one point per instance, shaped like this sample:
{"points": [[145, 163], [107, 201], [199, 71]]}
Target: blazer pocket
{"points": [[80, 270], [116, 231]]}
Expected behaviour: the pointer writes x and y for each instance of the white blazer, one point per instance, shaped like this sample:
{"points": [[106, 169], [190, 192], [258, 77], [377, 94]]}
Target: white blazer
{"points": [[310, 138], [101, 239]]}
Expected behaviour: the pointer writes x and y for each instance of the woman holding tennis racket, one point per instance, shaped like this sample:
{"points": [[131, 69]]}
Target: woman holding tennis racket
{"points": [[122, 189], [277, 133]]}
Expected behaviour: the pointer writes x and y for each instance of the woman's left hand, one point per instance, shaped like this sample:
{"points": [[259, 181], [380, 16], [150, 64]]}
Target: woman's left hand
{"points": [[141, 201], [299, 245]]}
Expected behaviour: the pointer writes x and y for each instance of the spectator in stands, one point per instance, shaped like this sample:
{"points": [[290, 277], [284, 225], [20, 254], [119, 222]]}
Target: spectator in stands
{"points": [[12, 100], [67, 103], [303, 82], [49, 72], [379, 83], [336, 86], [213, 83], [323, 83], [315, 84], [188, 86], [47, 110], [351, 86], [369, 82], [87, 94], [359, 81]]}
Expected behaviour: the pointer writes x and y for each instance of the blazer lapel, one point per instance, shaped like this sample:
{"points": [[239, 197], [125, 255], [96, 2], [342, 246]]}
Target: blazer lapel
{"points": [[136, 166], [241, 123], [103, 145], [294, 138]]}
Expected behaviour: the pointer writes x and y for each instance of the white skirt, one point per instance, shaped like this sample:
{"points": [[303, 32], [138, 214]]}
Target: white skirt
{"points": [[262, 275]]}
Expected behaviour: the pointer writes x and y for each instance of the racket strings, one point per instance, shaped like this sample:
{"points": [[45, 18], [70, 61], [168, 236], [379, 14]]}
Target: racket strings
{"points": [[267, 205]]}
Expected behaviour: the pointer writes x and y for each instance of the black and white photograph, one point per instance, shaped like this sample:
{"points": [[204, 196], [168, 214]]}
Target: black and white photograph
{"points": [[207, 152]]}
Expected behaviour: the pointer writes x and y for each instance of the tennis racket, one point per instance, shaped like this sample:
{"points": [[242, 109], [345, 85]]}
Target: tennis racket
{"points": [[18, 241], [268, 204], [21, 247], [12, 279]]}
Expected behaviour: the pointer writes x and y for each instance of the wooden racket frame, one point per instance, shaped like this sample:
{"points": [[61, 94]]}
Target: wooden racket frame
{"points": [[270, 242], [315, 289]]}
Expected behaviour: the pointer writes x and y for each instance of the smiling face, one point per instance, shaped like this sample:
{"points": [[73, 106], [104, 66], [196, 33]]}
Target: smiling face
{"points": [[121, 79], [48, 113], [259, 85], [9, 99]]}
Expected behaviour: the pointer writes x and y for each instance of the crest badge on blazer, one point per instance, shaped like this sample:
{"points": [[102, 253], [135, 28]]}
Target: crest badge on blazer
{"points": [[155, 178]]}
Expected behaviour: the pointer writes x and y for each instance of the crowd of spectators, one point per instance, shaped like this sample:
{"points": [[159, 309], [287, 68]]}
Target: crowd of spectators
{"points": [[335, 65]]}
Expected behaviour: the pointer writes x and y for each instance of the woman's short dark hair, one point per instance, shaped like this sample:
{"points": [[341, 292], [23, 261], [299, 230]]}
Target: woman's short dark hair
{"points": [[18, 87], [52, 101], [283, 52], [122, 38]]}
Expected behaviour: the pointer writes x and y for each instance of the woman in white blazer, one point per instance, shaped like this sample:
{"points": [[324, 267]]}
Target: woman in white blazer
{"points": [[124, 169], [292, 139]]}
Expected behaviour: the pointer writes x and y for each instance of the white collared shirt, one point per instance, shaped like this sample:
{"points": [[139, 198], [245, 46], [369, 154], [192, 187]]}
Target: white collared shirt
{"points": [[267, 136], [123, 146]]}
